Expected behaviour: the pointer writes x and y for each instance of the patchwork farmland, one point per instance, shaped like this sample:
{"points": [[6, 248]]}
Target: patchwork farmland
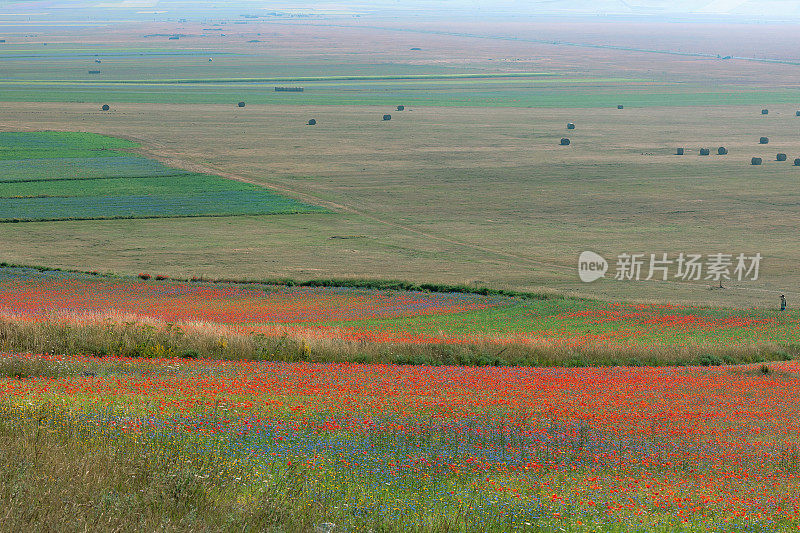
{"points": [[58, 189], [356, 306]]}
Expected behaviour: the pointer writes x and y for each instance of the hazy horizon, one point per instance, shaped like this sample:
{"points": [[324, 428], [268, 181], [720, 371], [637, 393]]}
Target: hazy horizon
{"points": [[682, 10]]}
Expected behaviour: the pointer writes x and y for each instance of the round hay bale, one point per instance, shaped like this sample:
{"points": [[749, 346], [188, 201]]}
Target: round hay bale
{"points": [[780, 157], [240, 104], [387, 117], [680, 151], [705, 151], [755, 161], [763, 140], [565, 142], [570, 126], [401, 107], [312, 122], [722, 151], [105, 107], [765, 111], [797, 162], [620, 107]]}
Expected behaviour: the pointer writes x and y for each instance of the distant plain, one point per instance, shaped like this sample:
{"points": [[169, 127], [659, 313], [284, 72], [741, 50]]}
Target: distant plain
{"points": [[467, 185]]}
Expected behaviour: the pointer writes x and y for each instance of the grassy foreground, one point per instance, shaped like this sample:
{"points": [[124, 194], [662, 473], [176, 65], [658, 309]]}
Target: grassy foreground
{"points": [[69, 477]]}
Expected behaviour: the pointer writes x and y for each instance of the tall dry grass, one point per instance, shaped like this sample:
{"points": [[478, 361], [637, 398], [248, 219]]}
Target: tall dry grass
{"points": [[59, 476], [128, 336]]}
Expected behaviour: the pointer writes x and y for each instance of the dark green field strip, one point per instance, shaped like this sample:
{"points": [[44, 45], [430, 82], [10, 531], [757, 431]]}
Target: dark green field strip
{"points": [[57, 153], [220, 203], [184, 184], [133, 53], [469, 95], [302, 79], [240, 69], [58, 145], [58, 140], [53, 169]]}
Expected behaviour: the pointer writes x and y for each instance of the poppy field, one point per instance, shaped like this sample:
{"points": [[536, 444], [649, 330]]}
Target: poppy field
{"points": [[562, 331], [39, 294], [579, 322], [402, 448]]}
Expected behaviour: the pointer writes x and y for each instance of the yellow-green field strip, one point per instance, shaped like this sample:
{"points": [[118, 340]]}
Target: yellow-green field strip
{"points": [[303, 79]]}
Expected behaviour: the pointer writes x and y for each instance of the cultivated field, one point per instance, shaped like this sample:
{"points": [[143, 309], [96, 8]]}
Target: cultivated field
{"points": [[481, 194], [525, 206], [76, 176]]}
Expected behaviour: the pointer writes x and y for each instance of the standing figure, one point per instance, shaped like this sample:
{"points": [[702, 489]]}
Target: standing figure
{"points": [[783, 302]]}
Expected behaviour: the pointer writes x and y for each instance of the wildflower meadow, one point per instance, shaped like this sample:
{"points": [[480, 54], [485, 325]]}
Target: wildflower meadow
{"points": [[322, 323], [405, 448], [144, 403]]}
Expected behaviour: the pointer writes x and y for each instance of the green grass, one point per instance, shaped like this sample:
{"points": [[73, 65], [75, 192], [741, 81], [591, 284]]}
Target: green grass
{"points": [[135, 63], [390, 78], [57, 476], [58, 145], [33, 51], [53, 153]]}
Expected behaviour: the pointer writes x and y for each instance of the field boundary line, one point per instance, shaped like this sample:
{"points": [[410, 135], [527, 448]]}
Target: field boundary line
{"points": [[162, 153]]}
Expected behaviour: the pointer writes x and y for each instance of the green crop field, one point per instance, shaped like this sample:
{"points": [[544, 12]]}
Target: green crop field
{"points": [[146, 205], [184, 184], [155, 191], [574, 93], [54, 145], [51, 168], [48, 141]]}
